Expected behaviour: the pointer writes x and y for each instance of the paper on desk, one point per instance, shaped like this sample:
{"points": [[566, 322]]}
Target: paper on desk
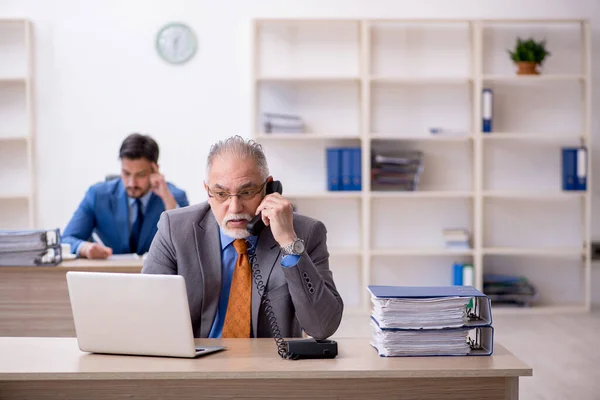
{"points": [[425, 313], [420, 342], [126, 256]]}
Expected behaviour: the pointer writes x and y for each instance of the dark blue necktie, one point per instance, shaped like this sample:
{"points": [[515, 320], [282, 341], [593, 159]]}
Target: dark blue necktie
{"points": [[136, 228]]}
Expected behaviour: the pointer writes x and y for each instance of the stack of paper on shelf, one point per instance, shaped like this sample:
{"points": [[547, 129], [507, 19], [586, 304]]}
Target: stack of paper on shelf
{"points": [[430, 321], [398, 171], [509, 290], [457, 239], [282, 123], [30, 247]]}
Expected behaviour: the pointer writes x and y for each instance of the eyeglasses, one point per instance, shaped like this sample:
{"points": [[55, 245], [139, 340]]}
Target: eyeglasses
{"points": [[246, 194]]}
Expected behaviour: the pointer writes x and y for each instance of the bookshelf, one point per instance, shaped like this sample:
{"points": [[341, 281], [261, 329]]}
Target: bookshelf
{"points": [[17, 206], [381, 84]]}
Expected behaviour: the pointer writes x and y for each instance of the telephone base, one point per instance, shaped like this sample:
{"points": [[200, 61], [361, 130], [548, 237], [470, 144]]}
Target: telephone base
{"points": [[311, 348]]}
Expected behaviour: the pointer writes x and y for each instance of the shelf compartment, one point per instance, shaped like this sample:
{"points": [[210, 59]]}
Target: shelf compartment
{"points": [[322, 106], [13, 47], [307, 48]]}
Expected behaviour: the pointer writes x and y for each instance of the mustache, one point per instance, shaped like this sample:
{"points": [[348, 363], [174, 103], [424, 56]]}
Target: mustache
{"points": [[229, 217]]}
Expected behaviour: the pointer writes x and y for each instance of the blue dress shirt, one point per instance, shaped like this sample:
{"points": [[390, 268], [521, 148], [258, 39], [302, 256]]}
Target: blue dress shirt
{"points": [[228, 261]]}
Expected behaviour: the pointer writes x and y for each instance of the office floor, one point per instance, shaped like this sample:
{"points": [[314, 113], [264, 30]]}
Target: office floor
{"points": [[563, 350]]}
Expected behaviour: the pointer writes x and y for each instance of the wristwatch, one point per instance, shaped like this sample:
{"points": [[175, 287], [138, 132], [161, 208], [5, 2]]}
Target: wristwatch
{"points": [[295, 248]]}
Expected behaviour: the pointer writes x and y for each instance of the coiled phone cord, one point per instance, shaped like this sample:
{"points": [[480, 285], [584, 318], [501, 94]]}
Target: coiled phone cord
{"points": [[282, 347]]}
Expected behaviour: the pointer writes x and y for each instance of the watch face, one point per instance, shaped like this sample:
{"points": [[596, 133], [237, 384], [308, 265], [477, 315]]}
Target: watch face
{"points": [[298, 247], [176, 43]]}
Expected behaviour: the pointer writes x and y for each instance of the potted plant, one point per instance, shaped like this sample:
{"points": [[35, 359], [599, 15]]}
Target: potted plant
{"points": [[528, 54]]}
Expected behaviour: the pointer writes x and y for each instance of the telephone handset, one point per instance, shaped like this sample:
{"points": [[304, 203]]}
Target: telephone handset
{"points": [[256, 225], [292, 349]]}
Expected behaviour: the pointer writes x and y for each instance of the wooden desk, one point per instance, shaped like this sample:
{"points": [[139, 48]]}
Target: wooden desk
{"points": [[34, 301], [54, 368]]}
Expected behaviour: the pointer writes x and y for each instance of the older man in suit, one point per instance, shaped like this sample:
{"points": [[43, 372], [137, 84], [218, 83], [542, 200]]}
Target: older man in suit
{"points": [[123, 212], [208, 244]]}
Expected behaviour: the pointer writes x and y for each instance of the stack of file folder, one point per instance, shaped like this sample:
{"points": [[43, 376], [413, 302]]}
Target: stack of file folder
{"points": [[509, 290], [398, 171], [430, 321], [457, 239], [30, 247], [282, 123]]}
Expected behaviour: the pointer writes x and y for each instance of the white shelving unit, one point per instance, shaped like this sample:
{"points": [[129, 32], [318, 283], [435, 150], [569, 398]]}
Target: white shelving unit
{"points": [[17, 205], [380, 85]]}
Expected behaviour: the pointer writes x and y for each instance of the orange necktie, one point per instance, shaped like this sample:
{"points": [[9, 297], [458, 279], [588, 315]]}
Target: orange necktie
{"points": [[239, 307]]}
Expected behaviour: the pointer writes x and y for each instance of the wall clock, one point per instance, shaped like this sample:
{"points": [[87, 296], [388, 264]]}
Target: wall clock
{"points": [[176, 43]]}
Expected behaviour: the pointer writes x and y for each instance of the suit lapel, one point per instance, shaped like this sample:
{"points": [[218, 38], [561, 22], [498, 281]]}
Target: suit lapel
{"points": [[208, 249], [266, 259], [120, 212], [152, 214]]}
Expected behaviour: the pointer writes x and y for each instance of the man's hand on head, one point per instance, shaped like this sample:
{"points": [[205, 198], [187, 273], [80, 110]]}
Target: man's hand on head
{"points": [[159, 186]]}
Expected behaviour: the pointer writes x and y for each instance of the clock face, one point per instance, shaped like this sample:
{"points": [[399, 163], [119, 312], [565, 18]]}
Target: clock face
{"points": [[176, 43]]}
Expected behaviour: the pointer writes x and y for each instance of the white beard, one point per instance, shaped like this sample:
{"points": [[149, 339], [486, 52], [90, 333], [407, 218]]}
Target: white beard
{"points": [[235, 233]]}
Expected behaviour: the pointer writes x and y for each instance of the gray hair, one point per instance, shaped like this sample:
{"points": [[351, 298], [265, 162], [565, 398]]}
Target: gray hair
{"points": [[242, 149]]}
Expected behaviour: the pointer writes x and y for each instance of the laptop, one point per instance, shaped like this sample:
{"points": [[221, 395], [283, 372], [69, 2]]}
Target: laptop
{"points": [[133, 314]]}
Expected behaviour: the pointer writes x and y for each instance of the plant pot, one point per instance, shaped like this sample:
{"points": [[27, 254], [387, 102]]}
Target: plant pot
{"points": [[527, 68]]}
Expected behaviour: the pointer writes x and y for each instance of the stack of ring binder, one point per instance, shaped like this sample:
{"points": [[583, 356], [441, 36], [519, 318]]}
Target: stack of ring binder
{"points": [[431, 321], [34, 247]]}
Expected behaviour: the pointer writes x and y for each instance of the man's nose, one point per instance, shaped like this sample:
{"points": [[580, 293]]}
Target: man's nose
{"points": [[235, 205]]}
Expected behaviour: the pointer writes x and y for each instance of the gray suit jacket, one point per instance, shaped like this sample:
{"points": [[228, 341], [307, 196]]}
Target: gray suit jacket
{"points": [[303, 297]]}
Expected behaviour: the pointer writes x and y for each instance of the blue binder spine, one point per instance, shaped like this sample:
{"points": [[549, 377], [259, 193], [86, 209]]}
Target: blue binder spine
{"points": [[457, 270], [356, 175], [569, 168], [333, 169], [487, 102], [346, 169]]}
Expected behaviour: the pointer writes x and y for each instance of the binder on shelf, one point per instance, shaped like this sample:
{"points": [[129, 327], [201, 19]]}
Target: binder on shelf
{"points": [[457, 274], [344, 168], [333, 169], [574, 168], [487, 103], [356, 173], [468, 277]]}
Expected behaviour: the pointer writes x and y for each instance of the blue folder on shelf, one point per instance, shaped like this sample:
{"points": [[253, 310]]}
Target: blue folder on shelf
{"points": [[574, 168]]}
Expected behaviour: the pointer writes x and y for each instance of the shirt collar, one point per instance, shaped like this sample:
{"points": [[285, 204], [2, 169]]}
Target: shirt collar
{"points": [[227, 240], [145, 199]]}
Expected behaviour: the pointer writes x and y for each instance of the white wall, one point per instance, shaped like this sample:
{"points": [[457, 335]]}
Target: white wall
{"points": [[98, 78]]}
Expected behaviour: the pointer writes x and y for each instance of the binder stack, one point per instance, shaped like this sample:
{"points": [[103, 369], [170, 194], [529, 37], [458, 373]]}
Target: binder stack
{"points": [[431, 321], [30, 247], [398, 171], [282, 123]]}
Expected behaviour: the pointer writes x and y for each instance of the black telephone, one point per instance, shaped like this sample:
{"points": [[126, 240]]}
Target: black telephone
{"points": [[256, 225], [293, 349]]}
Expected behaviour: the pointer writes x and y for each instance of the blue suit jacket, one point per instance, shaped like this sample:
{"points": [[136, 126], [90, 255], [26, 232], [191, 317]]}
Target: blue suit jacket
{"points": [[105, 210]]}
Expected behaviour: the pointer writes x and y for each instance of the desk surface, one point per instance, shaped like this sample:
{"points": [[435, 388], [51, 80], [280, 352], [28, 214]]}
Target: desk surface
{"points": [[82, 264], [60, 359]]}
